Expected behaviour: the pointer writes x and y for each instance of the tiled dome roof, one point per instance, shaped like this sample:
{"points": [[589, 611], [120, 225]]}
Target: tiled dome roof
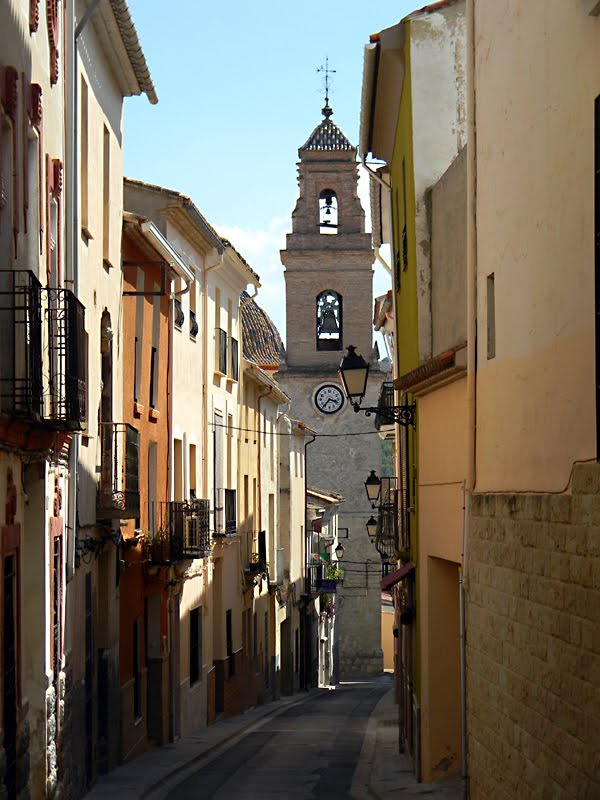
{"points": [[327, 136], [261, 340]]}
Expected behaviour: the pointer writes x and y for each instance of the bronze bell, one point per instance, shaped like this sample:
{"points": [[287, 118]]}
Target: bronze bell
{"points": [[328, 322]]}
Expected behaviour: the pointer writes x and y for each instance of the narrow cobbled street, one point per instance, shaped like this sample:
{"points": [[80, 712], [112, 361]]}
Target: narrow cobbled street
{"points": [[309, 751], [338, 743]]}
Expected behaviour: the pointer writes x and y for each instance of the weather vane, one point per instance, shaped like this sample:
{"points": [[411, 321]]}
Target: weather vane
{"points": [[327, 111]]}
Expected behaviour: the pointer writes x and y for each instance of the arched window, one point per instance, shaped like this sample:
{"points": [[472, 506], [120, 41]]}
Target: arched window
{"points": [[329, 320], [328, 212]]}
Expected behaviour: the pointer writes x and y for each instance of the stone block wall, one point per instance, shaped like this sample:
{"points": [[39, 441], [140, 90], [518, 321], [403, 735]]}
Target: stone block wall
{"points": [[533, 643]]}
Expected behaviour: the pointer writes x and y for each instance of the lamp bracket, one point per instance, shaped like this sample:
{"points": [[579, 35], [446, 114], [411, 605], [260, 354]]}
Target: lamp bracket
{"points": [[401, 415]]}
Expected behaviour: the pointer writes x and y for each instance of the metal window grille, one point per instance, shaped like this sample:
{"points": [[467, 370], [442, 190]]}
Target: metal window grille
{"points": [[235, 366], [225, 521], [193, 324], [178, 530], [221, 354], [179, 315]]}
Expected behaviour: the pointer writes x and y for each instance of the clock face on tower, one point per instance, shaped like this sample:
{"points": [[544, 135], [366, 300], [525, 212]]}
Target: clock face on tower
{"points": [[329, 398]]}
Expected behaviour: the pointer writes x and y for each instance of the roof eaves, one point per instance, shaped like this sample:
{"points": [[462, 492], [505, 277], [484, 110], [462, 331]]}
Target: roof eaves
{"points": [[133, 47]]}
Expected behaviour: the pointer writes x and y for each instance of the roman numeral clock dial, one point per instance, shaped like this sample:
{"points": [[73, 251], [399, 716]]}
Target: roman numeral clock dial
{"points": [[329, 399]]}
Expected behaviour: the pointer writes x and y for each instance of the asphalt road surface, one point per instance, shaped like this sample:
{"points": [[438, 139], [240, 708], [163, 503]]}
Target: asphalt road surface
{"points": [[309, 751]]}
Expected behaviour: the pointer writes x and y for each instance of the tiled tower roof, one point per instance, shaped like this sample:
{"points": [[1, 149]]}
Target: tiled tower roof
{"points": [[261, 340], [327, 136]]}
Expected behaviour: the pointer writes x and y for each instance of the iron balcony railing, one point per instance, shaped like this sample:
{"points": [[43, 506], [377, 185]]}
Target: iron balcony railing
{"points": [[118, 495], [385, 416], [43, 352], [178, 531], [386, 540], [225, 520], [314, 578]]}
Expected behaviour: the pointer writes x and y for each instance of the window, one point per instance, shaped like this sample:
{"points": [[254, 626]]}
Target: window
{"points": [[153, 377], [328, 212], [491, 317], [221, 354], [195, 645], [235, 367], [329, 320], [229, 641], [137, 670]]}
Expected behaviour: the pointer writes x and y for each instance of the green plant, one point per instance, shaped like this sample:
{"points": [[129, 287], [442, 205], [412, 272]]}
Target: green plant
{"points": [[334, 573], [159, 536]]}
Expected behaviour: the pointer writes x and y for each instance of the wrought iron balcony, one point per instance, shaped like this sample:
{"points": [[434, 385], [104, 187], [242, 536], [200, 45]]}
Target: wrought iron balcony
{"points": [[43, 353], [386, 402], [178, 531], [118, 494], [314, 577], [225, 519], [386, 540]]}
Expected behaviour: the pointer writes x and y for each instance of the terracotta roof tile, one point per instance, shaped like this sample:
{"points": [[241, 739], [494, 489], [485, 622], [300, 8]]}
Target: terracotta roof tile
{"points": [[327, 136], [261, 341]]}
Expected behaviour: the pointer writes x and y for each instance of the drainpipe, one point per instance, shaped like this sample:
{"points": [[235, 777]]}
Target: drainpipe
{"points": [[471, 369], [260, 397], [71, 231], [217, 261]]}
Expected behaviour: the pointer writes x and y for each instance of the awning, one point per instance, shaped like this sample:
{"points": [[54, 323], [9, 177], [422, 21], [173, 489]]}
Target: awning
{"points": [[396, 576]]}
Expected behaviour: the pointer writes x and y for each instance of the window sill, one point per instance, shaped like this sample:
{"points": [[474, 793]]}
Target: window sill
{"points": [[107, 263], [86, 234], [138, 409], [153, 414], [220, 374]]}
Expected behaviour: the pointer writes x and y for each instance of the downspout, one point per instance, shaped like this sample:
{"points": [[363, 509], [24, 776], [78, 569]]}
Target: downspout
{"points": [[71, 232], [471, 372], [260, 397], [208, 268]]}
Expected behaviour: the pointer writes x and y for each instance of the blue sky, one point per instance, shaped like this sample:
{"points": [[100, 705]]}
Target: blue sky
{"points": [[238, 95]]}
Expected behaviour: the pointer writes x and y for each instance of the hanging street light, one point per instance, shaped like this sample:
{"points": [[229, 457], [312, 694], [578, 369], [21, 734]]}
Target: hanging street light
{"points": [[372, 528], [339, 551], [373, 487], [354, 373]]}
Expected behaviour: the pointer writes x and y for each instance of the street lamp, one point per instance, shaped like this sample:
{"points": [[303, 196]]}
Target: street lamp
{"points": [[372, 528], [354, 373], [373, 487], [339, 551]]}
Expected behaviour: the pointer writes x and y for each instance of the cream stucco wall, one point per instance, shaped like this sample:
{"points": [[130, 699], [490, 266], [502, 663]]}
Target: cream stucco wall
{"points": [[535, 233], [442, 469], [437, 75]]}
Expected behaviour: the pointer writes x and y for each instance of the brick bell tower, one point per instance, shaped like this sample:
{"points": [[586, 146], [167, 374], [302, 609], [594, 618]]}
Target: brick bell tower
{"points": [[328, 263]]}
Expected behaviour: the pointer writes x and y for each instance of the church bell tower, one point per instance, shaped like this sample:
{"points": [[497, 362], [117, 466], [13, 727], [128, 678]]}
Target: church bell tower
{"points": [[328, 262]]}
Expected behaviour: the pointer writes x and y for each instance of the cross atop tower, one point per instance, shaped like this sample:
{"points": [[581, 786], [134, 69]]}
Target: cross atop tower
{"points": [[327, 111]]}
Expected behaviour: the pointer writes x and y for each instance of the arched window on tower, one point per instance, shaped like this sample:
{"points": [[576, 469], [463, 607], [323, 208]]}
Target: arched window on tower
{"points": [[329, 320], [328, 212]]}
